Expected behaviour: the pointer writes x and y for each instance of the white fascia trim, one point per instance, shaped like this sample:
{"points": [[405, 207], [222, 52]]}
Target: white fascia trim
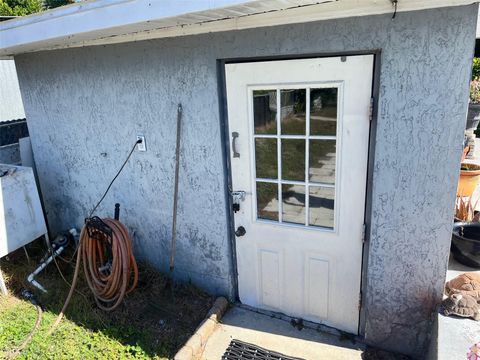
{"points": [[302, 14], [103, 22], [99, 15]]}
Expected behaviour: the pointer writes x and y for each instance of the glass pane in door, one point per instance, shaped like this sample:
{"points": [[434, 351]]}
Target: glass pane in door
{"points": [[323, 111], [293, 159], [293, 203], [322, 161], [292, 111], [266, 158], [265, 111], [267, 201], [321, 205]]}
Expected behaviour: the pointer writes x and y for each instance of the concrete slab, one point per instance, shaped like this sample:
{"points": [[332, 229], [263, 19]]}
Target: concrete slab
{"points": [[456, 336], [277, 335], [453, 336]]}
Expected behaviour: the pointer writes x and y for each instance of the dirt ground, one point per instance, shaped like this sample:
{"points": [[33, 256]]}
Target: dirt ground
{"points": [[154, 319]]}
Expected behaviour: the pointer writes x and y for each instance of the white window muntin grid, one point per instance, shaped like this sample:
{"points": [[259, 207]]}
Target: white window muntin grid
{"points": [[307, 137]]}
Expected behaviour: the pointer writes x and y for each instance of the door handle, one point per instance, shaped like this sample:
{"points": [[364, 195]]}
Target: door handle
{"points": [[240, 231], [234, 148]]}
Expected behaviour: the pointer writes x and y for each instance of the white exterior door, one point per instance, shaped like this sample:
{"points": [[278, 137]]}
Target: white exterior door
{"points": [[299, 151]]}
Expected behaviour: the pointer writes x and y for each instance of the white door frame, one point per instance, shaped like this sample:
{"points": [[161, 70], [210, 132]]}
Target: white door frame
{"points": [[369, 176]]}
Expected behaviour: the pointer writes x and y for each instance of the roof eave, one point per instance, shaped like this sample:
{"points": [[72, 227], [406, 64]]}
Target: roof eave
{"points": [[103, 22]]}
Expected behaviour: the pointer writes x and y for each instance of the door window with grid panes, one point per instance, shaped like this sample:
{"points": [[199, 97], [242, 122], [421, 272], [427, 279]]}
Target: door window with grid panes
{"points": [[295, 141]]}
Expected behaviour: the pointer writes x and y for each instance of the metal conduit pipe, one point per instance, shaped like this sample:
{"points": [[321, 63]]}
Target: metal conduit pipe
{"points": [[43, 265]]}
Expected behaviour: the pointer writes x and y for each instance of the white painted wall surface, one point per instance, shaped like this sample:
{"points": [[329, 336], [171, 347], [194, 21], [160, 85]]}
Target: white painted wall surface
{"points": [[11, 105], [21, 216]]}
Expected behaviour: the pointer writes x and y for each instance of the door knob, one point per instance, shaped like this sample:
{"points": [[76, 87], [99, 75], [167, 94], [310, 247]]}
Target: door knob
{"points": [[240, 231]]}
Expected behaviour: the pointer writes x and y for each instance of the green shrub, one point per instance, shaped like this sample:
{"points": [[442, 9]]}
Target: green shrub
{"points": [[19, 7], [476, 68], [27, 7]]}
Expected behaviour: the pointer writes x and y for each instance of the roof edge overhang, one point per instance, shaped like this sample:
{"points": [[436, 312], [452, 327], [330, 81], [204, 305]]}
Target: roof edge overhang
{"points": [[101, 22]]}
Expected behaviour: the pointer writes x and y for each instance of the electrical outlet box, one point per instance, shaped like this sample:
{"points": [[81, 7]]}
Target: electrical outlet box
{"points": [[143, 145]]}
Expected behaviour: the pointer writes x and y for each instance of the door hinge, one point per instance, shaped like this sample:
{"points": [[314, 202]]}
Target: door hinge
{"points": [[364, 233], [360, 300], [370, 111]]}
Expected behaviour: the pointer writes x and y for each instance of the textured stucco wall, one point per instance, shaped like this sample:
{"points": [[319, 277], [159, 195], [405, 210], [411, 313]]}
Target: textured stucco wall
{"points": [[85, 102]]}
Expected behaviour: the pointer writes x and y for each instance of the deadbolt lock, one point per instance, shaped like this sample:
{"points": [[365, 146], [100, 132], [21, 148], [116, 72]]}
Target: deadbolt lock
{"points": [[237, 198]]}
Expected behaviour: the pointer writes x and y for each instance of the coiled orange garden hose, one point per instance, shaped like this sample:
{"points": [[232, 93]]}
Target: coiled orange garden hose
{"points": [[109, 288]]}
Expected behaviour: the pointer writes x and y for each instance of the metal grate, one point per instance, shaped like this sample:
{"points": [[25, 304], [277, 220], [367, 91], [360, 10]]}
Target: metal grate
{"points": [[239, 350]]}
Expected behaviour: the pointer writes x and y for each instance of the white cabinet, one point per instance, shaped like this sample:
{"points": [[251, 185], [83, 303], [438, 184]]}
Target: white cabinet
{"points": [[21, 216]]}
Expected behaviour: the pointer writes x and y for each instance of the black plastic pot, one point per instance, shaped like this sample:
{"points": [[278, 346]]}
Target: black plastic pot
{"points": [[466, 243], [473, 116]]}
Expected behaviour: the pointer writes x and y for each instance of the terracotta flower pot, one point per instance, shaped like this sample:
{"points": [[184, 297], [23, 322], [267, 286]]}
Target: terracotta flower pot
{"points": [[469, 178], [465, 152]]}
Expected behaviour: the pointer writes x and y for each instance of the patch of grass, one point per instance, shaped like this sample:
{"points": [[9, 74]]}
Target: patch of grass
{"points": [[70, 341], [151, 323]]}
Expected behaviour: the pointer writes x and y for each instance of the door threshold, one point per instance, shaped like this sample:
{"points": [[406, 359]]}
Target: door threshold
{"points": [[343, 335]]}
